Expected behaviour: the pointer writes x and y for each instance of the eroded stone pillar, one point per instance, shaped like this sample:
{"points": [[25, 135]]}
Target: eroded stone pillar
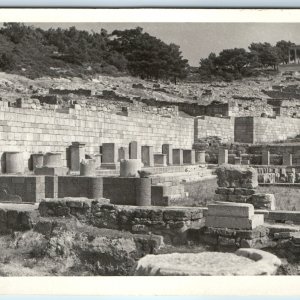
{"points": [[168, 150], [123, 153], [96, 188], [143, 192], [178, 157], [130, 167], [147, 156], [14, 162], [223, 156], [134, 150], [77, 155], [88, 167]]}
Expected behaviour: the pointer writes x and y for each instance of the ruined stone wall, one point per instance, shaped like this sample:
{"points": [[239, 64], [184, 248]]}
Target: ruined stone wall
{"points": [[275, 129], [32, 131], [212, 126], [244, 108], [265, 130]]}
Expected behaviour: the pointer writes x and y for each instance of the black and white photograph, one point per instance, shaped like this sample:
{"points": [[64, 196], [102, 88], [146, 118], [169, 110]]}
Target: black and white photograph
{"points": [[149, 148]]}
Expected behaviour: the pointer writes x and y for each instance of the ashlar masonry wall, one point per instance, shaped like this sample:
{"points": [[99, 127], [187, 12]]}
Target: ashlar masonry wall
{"points": [[265, 130], [213, 126], [31, 131], [275, 129]]}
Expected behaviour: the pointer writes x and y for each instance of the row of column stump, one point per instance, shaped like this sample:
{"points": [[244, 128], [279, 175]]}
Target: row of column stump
{"points": [[287, 158]]}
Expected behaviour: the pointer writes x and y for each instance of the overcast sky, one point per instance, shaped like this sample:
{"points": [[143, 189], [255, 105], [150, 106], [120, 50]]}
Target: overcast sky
{"points": [[197, 40]]}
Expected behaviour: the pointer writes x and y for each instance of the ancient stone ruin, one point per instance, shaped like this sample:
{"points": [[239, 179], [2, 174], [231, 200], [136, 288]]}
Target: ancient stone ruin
{"points": [[85, 169]]}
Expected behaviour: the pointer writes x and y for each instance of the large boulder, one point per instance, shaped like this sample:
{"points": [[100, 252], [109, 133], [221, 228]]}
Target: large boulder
{"points": [[242, 262], [235, 176]]}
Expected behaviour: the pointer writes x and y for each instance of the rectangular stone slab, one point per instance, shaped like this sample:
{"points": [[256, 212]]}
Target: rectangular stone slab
{"points": [[231, 209], [284, 215], [234, 222]]}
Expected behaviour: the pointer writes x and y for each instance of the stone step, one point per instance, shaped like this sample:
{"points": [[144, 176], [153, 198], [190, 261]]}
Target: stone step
{"points": [[234, 222], [231, 209]]}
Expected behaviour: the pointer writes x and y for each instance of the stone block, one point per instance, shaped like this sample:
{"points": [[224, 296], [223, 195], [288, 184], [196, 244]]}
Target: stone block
{"points": [[88, 167], [53, 159], [262, 201], [234, 223], [231, 209], [77, 155], [160, 159], [189, 157], [134, 150], [178, 157], [147, 156], [14, 162], [168, 150], [123, 153], [284, 215], [51, 171], [238, 198], [237, 176], [221, 197], [109, 153], [224, 191], [244, 192]]}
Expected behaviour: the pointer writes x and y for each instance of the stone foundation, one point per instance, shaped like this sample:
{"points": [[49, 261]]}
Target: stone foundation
{"points": [[172, 223], [22, 188]]}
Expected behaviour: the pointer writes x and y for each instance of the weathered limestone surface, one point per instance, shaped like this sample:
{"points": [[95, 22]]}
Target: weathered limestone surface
{"points": [[231, 176], [88, 167], [243, 262], [37, 160], [147, 156], [168, 150], [171, 223], [231, 210], [109, 153], [233, 222], [77, 155], [130, 167], [160, 159], [262, 201], [134, 150], [14, 162], [177, 156]]}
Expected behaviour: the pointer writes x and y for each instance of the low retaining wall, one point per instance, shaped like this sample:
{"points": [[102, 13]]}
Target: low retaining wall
{"points": [[171, 223]]}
